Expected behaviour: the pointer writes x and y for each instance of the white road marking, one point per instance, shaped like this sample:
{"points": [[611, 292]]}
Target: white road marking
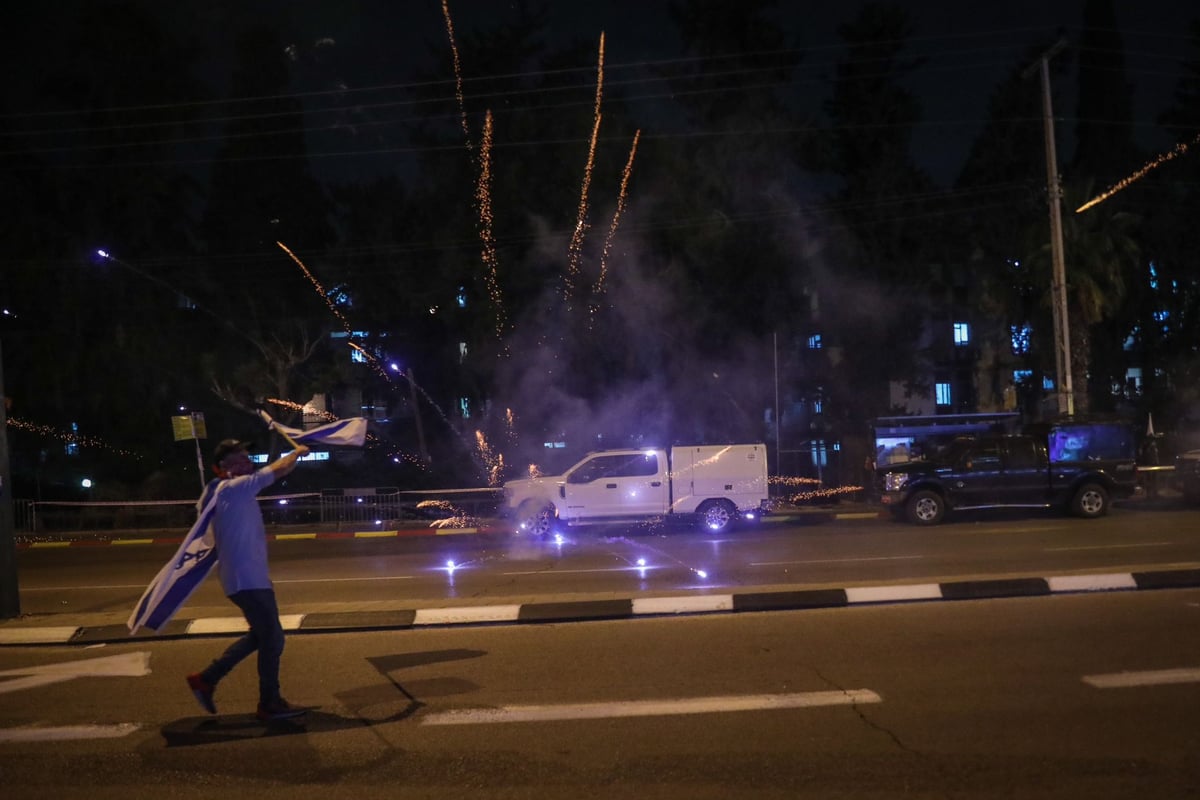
{"points": [[76, 588], [46, 635], [835, 561], [67, 733], [449, 616], [1107, 547], [131, 665], [345, 580], [275, 580], [884, 594], [687, 604], [290, 622], [1091, 583], [1124, 680], [650, 708], [630, 568]]}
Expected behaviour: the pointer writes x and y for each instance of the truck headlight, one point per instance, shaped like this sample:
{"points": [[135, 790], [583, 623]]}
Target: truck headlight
{"points": [[894, 481]]}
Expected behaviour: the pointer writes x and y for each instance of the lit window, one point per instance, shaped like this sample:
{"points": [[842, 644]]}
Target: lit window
{"points": [[814, 342], [1020, 336], [943, 394], [962, 333]]}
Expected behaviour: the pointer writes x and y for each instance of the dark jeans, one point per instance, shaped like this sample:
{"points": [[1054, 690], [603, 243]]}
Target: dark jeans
{"points": [[265, 636]]}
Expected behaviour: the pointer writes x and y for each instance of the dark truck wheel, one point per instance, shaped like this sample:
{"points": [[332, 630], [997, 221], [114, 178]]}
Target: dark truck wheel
{"points": [[1090, 501], [925, 507]]}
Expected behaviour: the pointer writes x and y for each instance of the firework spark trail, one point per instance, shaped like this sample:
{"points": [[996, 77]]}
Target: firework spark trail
{"points": [[483, 198], [320, 289], [616, 220], [575, 249], [69, 437], [1173, 153], [372, 360], [291, 405], [458, 81], [493, 461]]}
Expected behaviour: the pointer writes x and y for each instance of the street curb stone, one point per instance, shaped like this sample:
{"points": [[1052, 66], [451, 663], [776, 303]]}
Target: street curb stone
{"points": [[615, 609]]}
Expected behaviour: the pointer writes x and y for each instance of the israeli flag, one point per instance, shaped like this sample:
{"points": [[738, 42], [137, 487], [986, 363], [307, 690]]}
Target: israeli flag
{"points": [[351, 432], [186, 570]]}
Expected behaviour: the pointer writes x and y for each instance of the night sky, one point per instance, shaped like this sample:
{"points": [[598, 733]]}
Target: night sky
{"points": [[967, 49]]}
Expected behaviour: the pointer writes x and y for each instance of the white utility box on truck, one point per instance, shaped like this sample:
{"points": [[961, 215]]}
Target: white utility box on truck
{"points": [[718, 484]]}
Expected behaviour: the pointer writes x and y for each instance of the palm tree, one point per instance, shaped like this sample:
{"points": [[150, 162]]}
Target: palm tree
{"points": [[1101, 259]]}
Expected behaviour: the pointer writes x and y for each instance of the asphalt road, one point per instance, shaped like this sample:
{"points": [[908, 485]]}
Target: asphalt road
{"points": [[1076, 696], [97, 583]]}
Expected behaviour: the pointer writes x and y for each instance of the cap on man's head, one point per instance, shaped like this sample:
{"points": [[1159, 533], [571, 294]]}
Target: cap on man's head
{"points": [[228, 446]]}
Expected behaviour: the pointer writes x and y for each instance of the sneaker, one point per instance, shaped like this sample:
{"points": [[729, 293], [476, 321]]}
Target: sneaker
{"points": [[279, 709], [203, 692]]}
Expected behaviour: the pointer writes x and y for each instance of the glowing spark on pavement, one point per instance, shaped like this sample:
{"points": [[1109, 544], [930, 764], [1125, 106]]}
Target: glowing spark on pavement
{"points": [[458, 81], [1173, 153], [575, 249]]}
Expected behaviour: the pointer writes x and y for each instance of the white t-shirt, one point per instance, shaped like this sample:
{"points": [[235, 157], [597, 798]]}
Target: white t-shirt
{"points": [[240, 535]]}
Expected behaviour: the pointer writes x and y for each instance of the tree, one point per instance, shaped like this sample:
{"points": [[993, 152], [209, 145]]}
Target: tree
{"points": [[884, 202], [1102, 258]]}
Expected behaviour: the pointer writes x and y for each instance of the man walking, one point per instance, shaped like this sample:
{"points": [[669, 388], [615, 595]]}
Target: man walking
{"points": [[241, 544]]}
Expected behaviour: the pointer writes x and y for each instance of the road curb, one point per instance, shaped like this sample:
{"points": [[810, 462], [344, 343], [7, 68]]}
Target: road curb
{"points": [[592, 610]]}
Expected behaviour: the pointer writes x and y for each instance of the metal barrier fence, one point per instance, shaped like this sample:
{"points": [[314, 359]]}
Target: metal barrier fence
{"points": [[339, 508]]}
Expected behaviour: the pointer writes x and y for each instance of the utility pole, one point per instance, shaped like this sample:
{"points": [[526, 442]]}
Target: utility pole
{"points": [[1058, 284], [412, 390], [10, 598]]}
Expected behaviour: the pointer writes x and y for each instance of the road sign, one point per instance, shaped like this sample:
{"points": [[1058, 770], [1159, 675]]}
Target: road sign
{"points": [[189, 426]]}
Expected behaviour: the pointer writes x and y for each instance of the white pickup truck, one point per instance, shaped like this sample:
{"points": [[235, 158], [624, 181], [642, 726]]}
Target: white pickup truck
{"points": [[717, 483]]}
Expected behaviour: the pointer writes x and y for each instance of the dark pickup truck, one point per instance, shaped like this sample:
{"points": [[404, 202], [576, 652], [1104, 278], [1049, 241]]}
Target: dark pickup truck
{"points": [[1077, 467]]}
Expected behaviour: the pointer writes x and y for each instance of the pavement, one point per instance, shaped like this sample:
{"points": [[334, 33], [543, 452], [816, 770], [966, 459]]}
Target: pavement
{"points": [[109, 628]]}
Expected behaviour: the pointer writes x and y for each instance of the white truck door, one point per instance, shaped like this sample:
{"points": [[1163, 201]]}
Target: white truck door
{"points": [[632, 483]]}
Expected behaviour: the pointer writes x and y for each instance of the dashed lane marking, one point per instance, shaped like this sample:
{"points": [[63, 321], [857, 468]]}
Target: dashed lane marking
{"points": [[650, 708], [66, 733], [1160, 677]]}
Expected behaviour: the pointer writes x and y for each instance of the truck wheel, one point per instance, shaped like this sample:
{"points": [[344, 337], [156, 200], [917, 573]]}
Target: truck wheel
{"points": [[717, 515], [1090, 501], [926, 508], [536, 519]]}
